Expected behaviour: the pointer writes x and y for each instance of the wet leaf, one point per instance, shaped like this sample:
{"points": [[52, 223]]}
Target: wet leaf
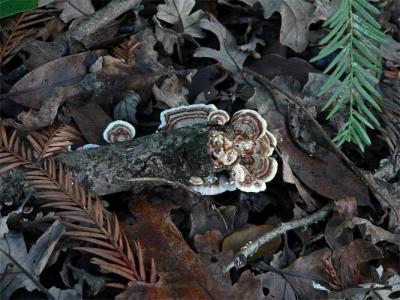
{"points": [[241, 237]]}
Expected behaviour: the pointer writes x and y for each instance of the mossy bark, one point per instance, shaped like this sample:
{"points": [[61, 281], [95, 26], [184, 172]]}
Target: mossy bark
{"points": [[175, 155]]}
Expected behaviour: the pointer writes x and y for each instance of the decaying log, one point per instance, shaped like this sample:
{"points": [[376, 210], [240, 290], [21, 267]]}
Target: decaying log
{"points": [[174, 155]]}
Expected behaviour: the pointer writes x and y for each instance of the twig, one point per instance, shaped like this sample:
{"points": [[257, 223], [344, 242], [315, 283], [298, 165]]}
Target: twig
{"points": [[162, 181], [240, 259], [294, 100], [30, 276]]}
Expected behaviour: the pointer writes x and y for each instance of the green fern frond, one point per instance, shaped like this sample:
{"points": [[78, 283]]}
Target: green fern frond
{"points": [[354, 72]]}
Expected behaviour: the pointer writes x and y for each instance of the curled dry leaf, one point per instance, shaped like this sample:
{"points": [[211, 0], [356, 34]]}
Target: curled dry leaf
{"points": [[171, 93]]}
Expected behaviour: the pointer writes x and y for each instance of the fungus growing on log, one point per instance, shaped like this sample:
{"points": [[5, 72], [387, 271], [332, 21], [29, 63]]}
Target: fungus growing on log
{"points": [[194, 146], [119, 131], [185, 115], [246, 150], [218, 117]]}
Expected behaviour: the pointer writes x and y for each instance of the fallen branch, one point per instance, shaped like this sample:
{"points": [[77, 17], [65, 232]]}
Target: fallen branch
{"points": [[293, 100], [174, 156], [240, 259]]}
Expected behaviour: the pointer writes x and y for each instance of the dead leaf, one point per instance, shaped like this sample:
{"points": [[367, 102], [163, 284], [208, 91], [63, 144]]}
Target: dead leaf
{"points": [[67, 294], [208, 243], [348, 260], [206, 216], [241, 237], [33, 120], [125, 109], [182, 273], [34, 262], [305, 270], [228, 54], [178, 13], [147, 42], [171, 93], [278, 287], [32, 89], [324, 173], [295, 21], [272, 65], [369, 231], [391, 193], [73, 9], [91, 121], [204, 81], [345, 208]]}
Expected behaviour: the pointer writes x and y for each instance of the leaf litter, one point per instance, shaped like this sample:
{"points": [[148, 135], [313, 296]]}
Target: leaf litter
{"points": [[70, 68]]}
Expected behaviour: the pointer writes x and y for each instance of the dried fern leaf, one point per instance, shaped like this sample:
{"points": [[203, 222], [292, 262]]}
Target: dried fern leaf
{"points": [[102, 232], [12, 152], [126, 51], [83, 214], [52, 140], [22, 28]]}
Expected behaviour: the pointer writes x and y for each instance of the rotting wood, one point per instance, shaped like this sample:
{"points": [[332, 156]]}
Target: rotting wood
{"points": [[174, 155]]}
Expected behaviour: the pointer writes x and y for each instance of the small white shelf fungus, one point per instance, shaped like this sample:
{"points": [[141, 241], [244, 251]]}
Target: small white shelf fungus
{"points": [[119, 131], [185, 115], [195, 180], [87, 147], [220, 186]]}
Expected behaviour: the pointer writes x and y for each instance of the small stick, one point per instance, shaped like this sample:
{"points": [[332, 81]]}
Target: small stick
{"points": [[240, 259], [293, 100]]}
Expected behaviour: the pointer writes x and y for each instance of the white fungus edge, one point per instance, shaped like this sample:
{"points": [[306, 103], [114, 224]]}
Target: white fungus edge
{"points": [[118, 122]]}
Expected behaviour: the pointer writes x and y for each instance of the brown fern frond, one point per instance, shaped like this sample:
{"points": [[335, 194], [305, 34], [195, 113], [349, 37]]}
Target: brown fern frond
{"points": [[83, 214], [126, 51], [52, 140], [21, 29], [13, 153], [102, 231]]}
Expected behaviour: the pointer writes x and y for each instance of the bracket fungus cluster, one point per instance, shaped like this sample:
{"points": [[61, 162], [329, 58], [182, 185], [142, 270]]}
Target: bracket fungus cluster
{"points": [[242, 146]]}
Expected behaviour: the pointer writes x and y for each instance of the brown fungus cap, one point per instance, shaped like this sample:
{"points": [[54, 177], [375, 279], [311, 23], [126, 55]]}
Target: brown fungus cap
{"points": [[218, 117], [185, 115], [249, 124]]}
